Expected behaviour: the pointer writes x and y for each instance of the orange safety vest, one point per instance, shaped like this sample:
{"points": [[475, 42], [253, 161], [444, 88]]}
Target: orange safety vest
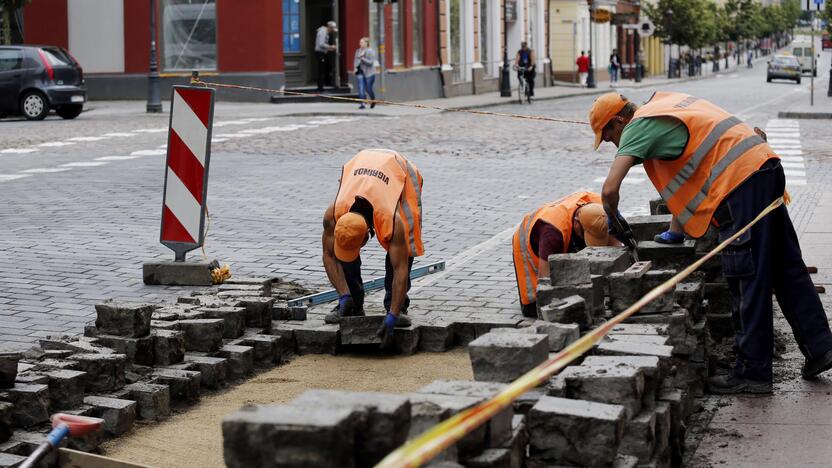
{"points": [[722, 152], [393, 186], [559, 214]]}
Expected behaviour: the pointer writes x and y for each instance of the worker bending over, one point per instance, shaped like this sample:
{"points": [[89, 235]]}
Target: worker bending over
{"points": [[563, 226], [380, 195], [713, 169]]}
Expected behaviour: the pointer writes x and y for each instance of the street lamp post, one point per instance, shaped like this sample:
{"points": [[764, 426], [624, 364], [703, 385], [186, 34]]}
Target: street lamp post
{"points": [[505, 86], [590, 76], [154, 101]]}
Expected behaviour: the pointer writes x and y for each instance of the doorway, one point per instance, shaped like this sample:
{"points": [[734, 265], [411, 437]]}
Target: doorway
{"points": [[301, 20]]}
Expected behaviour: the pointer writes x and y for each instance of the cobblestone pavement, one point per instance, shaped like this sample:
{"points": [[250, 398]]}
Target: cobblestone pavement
{"points": [[82, 198]]}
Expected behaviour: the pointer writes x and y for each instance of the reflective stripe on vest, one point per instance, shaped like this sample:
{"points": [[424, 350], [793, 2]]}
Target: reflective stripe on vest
{"points": [[408, 213], [528, 262], [722, 152]]}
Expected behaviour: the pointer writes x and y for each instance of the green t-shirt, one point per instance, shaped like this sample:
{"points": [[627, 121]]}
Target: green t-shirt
{"points": [[653, 138]]}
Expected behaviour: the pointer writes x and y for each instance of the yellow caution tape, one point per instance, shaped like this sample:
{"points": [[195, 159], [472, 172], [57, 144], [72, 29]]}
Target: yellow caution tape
{"points": [[422, 449]]}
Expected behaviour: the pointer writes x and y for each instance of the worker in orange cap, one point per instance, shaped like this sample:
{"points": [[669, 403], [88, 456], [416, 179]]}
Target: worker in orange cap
{"points": [[380, 195], [566, 225], [713, 169]]}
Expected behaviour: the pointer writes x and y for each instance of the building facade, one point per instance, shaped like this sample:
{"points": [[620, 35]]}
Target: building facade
{"points": [[431, 48]]}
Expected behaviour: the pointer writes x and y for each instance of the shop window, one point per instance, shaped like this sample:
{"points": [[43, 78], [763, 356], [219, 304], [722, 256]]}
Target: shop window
{"points": [[189, 29], [418, 31], [485, 36], [397, 35], [291, 26]]}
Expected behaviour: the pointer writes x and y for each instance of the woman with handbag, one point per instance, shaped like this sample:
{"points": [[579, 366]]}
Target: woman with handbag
{"points": [[365, 73]]}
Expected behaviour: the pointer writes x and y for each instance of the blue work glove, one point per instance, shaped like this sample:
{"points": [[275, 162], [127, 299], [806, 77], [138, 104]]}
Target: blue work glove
{"points": [[385, 331], [670, 237], [345, 305]]}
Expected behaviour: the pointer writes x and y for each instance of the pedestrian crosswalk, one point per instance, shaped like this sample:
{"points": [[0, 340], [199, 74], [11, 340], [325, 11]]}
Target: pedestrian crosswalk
{"points": [[784, 138]]}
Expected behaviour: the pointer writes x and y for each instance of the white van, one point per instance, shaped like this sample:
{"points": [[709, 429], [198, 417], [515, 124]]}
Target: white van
{"points": [[802, 50]]}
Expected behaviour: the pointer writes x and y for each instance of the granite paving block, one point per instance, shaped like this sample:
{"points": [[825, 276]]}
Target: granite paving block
{"points": [[183, 384], [648, 339], [360, 330], [498, 427], [213, 370], [622, 385], [564, 431], [168, 347], [658, 207], [689, 295], [105, 372], [503, 357], [650, 366], [123, 318], [667, 256], [9, 460], [31, 403], [152, 400], [258, 310], [646, 227], [203, 335], [382, 420], [518, 444], [436, 336], [234, 320], [66, 388], [8, 368], [568, 269], [138, 350], [586, 291], [560, 334], [679, 326], [118, 415], [640, 436], [6, 410], [429, 409], [628, 348], [75, 344], [663, 303], [490, 458], [240, 360], [606, 260], [572, 309], [288, 436], [266, 348], [406, 340], [323, 339]]}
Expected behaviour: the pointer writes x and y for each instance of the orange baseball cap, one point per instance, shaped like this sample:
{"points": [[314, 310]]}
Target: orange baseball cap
{"points": [[602, 111], [594, 221], [350, 236]]}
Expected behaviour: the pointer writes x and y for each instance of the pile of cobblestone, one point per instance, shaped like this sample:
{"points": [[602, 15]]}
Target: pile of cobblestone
{"points": [[624, 404]]}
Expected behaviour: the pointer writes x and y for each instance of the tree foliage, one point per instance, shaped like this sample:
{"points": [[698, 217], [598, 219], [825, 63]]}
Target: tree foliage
{"points": [[701, 23]]}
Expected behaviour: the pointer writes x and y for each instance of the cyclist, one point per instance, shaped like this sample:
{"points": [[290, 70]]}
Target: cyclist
{"points": [[525, 63]]}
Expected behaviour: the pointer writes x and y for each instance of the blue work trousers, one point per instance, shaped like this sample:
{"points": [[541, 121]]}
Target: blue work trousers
{"points": [[764, 259]]}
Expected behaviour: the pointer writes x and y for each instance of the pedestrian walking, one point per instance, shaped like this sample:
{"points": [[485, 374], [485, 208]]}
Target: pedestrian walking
{"points": [[583, 68], [615, 66], [322, 51], [714, 170], [380, 195], [365, 73], [750, 58], [563, 226]]}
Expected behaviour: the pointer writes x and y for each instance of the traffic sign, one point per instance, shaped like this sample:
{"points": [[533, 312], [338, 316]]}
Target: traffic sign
{"points": [[813, 5], [646, 28]]}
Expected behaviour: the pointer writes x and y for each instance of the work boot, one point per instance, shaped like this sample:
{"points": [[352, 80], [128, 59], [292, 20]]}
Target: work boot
{"points": [[813, 368], [669, 237], [730, 384]]}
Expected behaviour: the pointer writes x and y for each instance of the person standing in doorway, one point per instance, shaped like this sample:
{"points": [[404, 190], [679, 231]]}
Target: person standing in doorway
{"points": [[365, 73], [322, 49], [615, 66], [583, 68]]}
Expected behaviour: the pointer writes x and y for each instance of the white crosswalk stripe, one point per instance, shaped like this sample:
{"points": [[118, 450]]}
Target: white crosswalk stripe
{"points": [[784, 139]]}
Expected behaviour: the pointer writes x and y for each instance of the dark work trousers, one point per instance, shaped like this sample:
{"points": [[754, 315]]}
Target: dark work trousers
{"points": [[323, 68], [352, 273], [764, 258]]}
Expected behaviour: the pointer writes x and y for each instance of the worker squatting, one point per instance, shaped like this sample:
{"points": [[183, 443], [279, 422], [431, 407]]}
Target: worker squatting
{"points": [[709, 167]]}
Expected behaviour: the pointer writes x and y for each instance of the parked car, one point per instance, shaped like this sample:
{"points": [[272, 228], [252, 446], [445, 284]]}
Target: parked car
{"points": [[802, 50], [35, 79], [784, 67]]}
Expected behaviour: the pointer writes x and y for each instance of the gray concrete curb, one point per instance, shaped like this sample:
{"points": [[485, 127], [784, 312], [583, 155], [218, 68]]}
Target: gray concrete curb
{"points": [[805, 115]]}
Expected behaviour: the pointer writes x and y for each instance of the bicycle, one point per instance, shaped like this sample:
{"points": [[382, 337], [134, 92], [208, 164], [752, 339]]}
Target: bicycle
{"points": [[523, 86]]}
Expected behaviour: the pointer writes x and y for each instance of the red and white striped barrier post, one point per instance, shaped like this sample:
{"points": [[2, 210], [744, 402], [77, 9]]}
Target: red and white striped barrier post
{"points": [[186, 171]]}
